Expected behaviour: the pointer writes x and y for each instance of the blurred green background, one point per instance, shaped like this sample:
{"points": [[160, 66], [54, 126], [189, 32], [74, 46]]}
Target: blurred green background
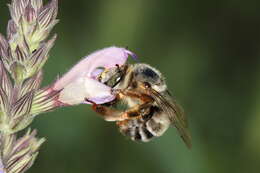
{"points": [[209, 52]]}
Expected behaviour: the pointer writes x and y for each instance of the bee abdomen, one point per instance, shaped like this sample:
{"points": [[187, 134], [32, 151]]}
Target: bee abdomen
{"points": [[136, 130], [158, 124], [142, 134]]}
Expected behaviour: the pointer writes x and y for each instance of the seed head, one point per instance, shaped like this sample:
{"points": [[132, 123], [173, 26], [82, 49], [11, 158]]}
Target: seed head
{"points": [[19, 154], [25, 50]]}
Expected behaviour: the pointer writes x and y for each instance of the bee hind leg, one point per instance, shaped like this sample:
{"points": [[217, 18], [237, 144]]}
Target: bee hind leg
{"points": [[111, 114], [108, 113]]}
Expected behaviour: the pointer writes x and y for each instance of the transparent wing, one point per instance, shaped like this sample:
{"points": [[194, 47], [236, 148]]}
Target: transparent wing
{"points": [[179, 110], [176, 114]]}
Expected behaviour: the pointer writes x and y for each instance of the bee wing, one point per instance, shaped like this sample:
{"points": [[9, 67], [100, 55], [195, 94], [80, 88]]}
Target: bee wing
{"points": [[179, 110], [176, 115]]}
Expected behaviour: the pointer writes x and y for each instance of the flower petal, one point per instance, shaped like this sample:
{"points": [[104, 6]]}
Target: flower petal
{"points": [[107, 58], [84, 88]]}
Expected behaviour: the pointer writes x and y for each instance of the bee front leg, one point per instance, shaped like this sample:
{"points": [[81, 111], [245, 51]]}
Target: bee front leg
{"points": [[122, 94]]}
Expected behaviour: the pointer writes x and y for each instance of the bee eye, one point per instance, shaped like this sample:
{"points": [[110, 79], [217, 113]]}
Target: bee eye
{"points": [[147, 85], [118, 79]]}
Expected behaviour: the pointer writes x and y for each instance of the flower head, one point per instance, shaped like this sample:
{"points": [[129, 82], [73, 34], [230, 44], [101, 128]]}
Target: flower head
{"points": [[86, 68], [80, 83]]}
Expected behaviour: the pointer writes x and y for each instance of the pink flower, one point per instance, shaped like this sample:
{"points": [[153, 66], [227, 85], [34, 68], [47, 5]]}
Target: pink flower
{"points": [[80, 82]]}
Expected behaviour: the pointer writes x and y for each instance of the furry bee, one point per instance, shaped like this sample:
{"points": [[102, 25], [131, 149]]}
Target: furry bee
{"points": [[150, 107]]}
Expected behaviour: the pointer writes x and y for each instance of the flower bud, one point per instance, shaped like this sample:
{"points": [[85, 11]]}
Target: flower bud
{"points": [[23, 152]]}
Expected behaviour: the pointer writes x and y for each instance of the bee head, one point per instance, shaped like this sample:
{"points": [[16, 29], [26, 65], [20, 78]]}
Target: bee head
{"points": [[112, 76], [149, 76]]}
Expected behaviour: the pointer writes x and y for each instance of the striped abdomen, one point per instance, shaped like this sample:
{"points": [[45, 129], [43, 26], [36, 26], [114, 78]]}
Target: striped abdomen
{"points": [[145, 128]]}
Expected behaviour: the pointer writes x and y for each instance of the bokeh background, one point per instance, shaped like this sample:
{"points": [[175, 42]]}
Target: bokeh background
{"points": [[209, 52]]}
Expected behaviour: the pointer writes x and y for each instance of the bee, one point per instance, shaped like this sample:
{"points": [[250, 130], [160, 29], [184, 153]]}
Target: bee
{"points": [[150, 110]]}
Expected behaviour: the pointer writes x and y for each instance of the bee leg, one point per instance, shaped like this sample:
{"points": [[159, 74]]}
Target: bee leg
{"points": [[107, 112], [137, 111], [121, 94], [111, 114]]}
